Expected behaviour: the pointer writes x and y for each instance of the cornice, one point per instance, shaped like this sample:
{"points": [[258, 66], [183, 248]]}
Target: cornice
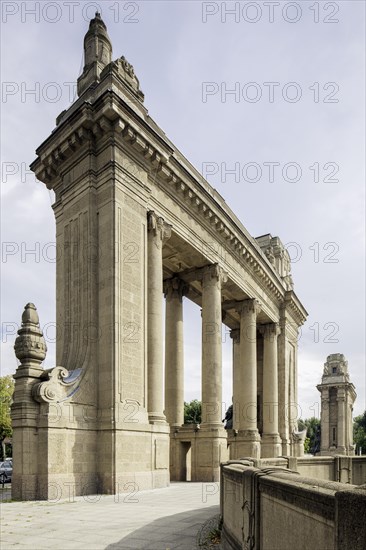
{"points": [[294, 307]]}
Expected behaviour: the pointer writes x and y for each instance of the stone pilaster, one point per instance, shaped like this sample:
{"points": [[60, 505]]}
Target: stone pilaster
{"points": [[158, 232], [174, 290], [271, 441]]}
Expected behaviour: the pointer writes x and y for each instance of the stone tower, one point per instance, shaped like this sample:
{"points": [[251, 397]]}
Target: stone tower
{"points": [[337, 398]]}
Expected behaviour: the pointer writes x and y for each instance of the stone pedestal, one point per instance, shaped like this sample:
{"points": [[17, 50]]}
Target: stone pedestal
{"points": [[30, 349]]}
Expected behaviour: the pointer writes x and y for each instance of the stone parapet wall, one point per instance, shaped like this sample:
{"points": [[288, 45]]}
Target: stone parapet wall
{"points": [[272, 508]]}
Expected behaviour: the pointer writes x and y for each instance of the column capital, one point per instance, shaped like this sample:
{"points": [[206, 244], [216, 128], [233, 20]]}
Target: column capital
{"points": [[235, 335], [252, 305], [175, 288], [158, 227], [324, 392], [270, 330], [213, 272]]}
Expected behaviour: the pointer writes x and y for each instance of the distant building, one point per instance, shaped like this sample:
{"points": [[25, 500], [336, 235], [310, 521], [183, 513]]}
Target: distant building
{"points": [[337, 398]]}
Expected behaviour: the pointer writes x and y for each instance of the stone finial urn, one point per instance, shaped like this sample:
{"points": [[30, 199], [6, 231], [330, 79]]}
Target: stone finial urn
{"points": [[30, 346]]}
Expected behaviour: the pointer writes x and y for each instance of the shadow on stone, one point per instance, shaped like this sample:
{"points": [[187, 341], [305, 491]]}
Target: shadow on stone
{"points": [[179, 531]]}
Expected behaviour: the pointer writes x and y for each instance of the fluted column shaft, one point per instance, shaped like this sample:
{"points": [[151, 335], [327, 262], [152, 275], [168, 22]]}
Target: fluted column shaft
{"points": [[212, 278], [174, 358], [158, 231], [270, 440]]}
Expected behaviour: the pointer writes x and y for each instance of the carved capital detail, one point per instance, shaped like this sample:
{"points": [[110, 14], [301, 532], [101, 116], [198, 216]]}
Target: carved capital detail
{"points": [[175, 288], [214, 272], [158, 228], [251, 306], [235, 335], [270, 331]]}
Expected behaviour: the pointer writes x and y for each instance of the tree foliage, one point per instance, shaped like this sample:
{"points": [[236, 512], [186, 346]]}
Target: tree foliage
{"points": [[192, 412], [6, 398], [312, 426], [359, 433]]}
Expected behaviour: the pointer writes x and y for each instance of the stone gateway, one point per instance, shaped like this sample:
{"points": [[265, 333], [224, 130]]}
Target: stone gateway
{"points": [[135, 220]]}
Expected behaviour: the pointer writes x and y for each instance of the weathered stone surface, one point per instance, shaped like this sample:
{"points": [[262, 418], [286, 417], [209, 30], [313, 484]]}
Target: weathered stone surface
{"points": [[131, 213], [270, 508], [350, 519], [337, 398]]}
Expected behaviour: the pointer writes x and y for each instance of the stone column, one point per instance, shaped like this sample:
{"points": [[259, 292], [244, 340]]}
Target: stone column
{"points": [[174, 363], [341, 422], [158, 232], [235, 335], [271, 441], [350, 443], [212, 278], [210, 447], [324, 422], [245, 402]]}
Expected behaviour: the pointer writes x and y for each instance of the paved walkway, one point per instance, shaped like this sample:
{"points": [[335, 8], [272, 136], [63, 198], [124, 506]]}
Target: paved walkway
{"points": [[163, 519]]}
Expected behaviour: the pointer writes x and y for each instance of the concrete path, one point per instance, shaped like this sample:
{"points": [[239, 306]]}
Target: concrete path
{"points": [[163, 519]]}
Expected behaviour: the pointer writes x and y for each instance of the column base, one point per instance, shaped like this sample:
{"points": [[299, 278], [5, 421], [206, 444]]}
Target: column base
{"points": [[286, 447], [247, 444], [209, 451], [334, 451], [156, 418], [215, 427], [271, 446]]}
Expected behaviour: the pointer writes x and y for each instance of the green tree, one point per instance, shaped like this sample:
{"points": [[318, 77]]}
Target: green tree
{"points": [[192, 412], [312, 425], [6, 398], [359, 433], [307, 445]]}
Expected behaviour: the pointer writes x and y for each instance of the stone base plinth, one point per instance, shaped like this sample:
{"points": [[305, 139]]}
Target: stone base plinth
{"points": [[271, 446], [210, 450], [286, 447], [246, 444], [81, 462]]}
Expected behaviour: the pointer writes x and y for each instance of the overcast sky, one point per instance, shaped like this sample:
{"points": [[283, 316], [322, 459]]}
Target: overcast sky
{"points": [[296, 73]]}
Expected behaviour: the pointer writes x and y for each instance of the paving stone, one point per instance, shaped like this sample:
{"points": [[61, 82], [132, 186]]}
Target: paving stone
{"points": [[165, 519]]}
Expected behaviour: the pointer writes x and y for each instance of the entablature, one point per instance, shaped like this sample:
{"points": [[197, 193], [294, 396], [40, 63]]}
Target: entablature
{"points": [[110, 115]]}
